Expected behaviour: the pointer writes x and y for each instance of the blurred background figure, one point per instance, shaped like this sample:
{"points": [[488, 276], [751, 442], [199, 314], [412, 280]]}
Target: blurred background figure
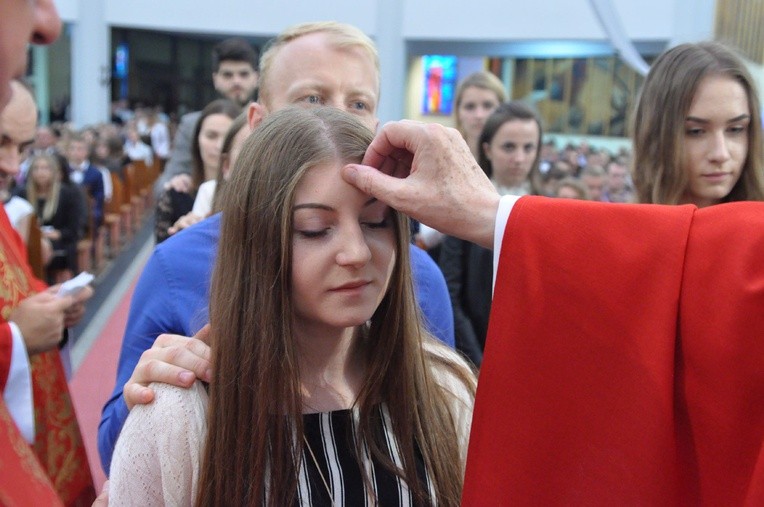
{"points": [[618, 186], [234, 76], [209, 134], [477, 96], [59, 206], [593, 177], [510, 145], [572, 188]]}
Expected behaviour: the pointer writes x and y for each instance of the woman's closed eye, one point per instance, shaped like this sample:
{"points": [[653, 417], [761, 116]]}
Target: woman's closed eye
{"points": [[313, 233], [378, 224], [737, 129]]}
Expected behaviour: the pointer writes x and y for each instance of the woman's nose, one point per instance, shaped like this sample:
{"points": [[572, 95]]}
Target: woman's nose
{"points": [[354, 250]]}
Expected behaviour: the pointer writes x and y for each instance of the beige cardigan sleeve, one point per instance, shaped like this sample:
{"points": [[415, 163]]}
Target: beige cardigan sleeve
{"points": [[462, 397], [158, 454]]}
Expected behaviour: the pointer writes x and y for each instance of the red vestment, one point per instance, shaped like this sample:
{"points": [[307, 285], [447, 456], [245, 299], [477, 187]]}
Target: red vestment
{"points": [[23, 482], [625, 358], [58, 441]]}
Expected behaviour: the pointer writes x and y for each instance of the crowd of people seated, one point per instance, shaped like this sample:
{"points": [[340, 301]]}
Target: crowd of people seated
{"points": [[67, 181], [603, 174]]}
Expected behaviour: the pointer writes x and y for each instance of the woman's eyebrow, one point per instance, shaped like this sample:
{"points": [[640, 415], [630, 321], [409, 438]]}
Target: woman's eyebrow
{"points": [[315, 205], [731, 120], [312, 205]]}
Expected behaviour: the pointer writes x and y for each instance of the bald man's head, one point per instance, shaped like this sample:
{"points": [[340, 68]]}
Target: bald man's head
{"points": [[18, 123]]}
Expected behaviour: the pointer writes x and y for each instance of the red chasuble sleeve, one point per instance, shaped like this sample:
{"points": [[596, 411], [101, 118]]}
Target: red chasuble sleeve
{"points": [[720, 389], [575, 401], [625, 358]]}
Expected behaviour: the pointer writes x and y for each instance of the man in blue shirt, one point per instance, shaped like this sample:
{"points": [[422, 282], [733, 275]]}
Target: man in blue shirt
{"points": [[315, 63]]}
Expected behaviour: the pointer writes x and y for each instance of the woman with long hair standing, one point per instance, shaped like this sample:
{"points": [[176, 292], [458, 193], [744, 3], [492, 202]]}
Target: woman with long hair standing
{"points": [[697, 129], [208, 137], [326, 388], [59, 207], [477, 96]]}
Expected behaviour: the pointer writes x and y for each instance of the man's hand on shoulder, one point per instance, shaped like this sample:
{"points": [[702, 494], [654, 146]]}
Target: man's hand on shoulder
{"points": [[173, 359]]}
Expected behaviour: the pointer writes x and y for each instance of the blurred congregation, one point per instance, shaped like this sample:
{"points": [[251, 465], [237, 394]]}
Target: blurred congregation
{"points": [[144, 114], [77, 197]]}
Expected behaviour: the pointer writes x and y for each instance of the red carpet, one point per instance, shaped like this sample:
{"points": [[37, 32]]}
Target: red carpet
{"points": [[93, 382]]}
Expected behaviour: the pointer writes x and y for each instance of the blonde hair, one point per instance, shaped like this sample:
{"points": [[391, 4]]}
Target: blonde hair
{"points": [[256, 368], [340, 35], [51, 202], [484, 80]]}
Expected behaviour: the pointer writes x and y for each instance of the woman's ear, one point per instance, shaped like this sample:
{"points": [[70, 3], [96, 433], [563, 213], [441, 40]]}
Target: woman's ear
{"points": [[485, 150], [225, 165], [255, 114]]}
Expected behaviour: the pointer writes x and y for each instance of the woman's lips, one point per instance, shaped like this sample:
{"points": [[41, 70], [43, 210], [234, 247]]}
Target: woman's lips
{"points": [[351, 286], [715, 177]]}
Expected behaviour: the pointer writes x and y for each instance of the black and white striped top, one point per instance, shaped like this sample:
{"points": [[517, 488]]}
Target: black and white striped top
{"points": [[332, 436], [158, 455]]}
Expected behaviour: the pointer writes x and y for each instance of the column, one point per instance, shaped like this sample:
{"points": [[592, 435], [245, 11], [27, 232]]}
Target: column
{"points": [[392, 59], [40, 78], [91, 65]]}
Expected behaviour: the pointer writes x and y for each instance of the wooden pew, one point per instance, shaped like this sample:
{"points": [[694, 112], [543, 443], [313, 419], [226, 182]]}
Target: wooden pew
{"points": [[34, 248]]}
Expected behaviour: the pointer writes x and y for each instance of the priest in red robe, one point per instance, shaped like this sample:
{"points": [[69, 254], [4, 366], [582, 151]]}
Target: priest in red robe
{"points": [[32, 320], [624, 363]]}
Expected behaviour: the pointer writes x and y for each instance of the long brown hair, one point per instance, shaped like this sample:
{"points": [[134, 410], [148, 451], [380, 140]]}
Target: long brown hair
{"points": [[658, 124], [255, 425]]}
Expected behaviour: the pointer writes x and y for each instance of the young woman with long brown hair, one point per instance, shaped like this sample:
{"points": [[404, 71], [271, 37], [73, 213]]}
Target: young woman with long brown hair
{"points": [[326, 389], [697, 129]]}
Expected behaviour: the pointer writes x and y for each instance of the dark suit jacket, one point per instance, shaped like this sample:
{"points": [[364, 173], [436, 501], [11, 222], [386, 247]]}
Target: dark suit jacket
{"points": [[69, 219], [92, 181], [468, 269], [180, 157]]}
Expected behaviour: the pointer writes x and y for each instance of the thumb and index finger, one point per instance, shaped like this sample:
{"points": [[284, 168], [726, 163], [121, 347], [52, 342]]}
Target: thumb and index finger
{"points": [[388, 159]]}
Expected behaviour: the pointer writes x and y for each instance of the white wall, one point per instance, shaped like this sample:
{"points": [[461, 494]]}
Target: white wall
{"points": [[67, 9], [422, 19], [251, 17], [532, 19], [393, 23]]}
